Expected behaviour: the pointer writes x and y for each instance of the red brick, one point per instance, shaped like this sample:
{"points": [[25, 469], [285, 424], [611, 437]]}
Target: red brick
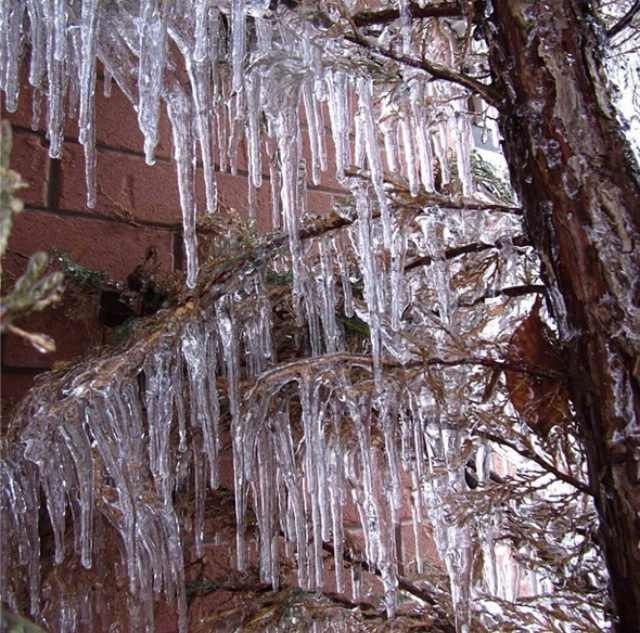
{"points": [[111, 247], [319, 202], [74, 334], [127, 186], [115, 249], [14, 385], [30, 158]]}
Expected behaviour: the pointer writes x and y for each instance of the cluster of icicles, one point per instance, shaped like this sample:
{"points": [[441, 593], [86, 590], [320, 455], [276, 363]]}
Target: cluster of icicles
{"points": [[123, 435], [104, 426], [127, 423], [252, 74]]}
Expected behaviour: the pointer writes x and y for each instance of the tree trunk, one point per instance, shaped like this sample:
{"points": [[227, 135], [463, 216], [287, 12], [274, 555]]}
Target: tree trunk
{"points": [[579, 185]]}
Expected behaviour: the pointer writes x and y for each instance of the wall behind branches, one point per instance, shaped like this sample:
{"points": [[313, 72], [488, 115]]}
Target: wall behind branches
{"points": [[137, 211]]}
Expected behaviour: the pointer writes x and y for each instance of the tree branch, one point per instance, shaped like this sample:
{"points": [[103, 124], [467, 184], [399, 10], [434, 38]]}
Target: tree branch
{"points": [[624, 21], [543, 463], [371, 18], [437, 71], [403, 584], [474, 247], [509, 291]]}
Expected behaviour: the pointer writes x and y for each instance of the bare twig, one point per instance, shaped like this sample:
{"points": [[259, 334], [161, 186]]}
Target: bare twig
{"points": [[541, 461]]}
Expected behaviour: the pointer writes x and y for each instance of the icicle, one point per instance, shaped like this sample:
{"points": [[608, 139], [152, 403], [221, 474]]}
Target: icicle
{"points": [[204, 404], [236, 126], [199, 487], [229, 339], [201, 35], [38, 41], [11, 17], [49, 460], [286, 459], [87, 80], [265, 511], [370, 275], [336, 484], [419, 121], [238, 16], [159, 406], [102, 417], [275, 181], [398, 300], [153, 54], [343, 266], [314, 474], [252, 88], [328, 297], [405, 25], [315, 132], [359, 142], [365, 92], [441, 145], [387, 414], [107, 83], [463, 145], [59, 30], [180, 117], [200, 80], [408, 150], [369, 506], [390, 136], [222, 135], [55, 80], [80, 449], [338, 113]]}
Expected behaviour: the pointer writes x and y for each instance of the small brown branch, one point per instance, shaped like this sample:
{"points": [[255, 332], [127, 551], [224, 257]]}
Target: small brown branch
{"points": [[509, 291], [504, 365], [624, 21], [541, 461], [475, 247], [443, 10]]}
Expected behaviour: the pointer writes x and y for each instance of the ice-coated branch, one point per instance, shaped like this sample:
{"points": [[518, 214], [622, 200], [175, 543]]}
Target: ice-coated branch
{"points": [[510, 291], [436, 70], [624, 21], [442, 622], [417, 11], [465, 249]]}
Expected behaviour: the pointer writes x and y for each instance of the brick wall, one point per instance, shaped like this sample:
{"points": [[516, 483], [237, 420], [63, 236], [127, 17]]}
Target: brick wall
{"points": [[137, 209]]}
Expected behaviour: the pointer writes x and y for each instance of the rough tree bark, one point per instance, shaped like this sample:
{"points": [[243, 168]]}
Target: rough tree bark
{"points": [[580, 190]]}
